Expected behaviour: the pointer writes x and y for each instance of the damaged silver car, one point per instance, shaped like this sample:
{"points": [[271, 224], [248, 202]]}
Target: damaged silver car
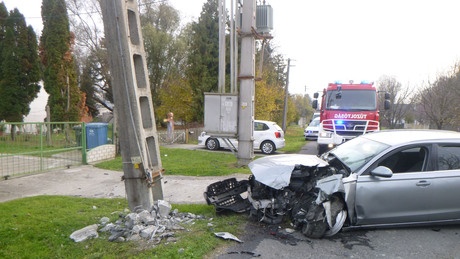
{"points": [[387, 178]]}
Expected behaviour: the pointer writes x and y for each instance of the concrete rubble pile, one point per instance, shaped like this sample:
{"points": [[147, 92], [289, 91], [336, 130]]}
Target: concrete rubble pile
{"points": [[157, 224]]}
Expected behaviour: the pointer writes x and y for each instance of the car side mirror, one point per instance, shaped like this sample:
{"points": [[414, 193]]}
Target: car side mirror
{"points": [[387, 105], [387, 96], [382, 171], [314, 104], [315, 95]]}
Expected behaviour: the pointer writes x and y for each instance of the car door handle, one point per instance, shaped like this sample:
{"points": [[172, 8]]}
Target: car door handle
{"points": [[423, 183]]}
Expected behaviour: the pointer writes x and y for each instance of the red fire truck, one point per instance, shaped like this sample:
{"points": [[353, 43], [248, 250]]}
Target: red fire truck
{"points": [[347, 111]]}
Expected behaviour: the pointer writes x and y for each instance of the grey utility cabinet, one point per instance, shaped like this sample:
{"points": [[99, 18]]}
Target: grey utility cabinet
{"points": [[221, 114]]}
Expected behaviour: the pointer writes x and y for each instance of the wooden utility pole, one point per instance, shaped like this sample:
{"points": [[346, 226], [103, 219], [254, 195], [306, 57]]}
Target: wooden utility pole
{"points": [[247, 85], [133, 102]]}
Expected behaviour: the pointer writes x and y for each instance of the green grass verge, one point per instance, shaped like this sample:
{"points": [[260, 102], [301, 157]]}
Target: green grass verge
{"points": [[294, 139], [199, 163], [189, 162], [28, 143], [193, 142], [39, 227]]}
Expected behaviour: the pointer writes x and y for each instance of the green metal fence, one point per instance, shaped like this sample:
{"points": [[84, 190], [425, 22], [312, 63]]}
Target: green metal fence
{"points": [[33, 147]]}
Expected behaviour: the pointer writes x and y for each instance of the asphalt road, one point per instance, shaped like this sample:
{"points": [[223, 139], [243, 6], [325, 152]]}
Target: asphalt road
{"points": [[309, 148], [272, 242]]}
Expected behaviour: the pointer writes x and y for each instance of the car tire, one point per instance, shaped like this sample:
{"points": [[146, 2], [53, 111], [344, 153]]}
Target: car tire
{"points": [[315, 229], [319, 229], [212, 144], [267, 147]]}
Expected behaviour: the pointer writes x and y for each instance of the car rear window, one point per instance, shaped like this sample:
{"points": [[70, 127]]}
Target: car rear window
{"points": [[260, 126]]}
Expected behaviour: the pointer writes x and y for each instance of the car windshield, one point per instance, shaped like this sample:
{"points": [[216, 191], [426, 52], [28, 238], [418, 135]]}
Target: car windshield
{"points": [[358, 100], [357, 152], [314, 123]]}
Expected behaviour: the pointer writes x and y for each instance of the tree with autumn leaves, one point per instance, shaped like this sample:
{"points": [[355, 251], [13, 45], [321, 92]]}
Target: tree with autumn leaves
{"points": [[203, 56], [176, 96], [20, 64], [183, 63], [59, 76], [270, 89], [202, 70]]}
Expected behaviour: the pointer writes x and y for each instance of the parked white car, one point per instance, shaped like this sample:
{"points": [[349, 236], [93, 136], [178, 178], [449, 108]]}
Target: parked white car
{"points": [[311, 132], [268, 137]]}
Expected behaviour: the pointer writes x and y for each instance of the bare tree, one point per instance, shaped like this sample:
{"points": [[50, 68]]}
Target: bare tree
{"points": [[86, 22], [439, 104], [400, 101], [456, 90], [94, 76]]}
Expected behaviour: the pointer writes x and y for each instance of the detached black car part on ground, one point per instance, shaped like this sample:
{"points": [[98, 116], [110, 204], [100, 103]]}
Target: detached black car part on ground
{"points": [[304, 188]]}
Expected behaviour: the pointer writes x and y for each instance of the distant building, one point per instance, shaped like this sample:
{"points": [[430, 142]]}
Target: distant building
{"points": [[38, 107]]}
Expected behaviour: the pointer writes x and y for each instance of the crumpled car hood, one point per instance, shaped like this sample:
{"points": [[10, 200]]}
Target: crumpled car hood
{"points": [[275, 171]]}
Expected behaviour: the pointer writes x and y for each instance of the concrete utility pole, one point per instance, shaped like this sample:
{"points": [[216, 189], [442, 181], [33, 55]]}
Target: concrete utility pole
{"points": [[132, 98], [247, 85], [286, 94], [233, 46], [222, 21]]}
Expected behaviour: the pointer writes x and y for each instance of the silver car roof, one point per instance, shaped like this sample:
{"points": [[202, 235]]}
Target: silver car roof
{"points": [[397, 137]]}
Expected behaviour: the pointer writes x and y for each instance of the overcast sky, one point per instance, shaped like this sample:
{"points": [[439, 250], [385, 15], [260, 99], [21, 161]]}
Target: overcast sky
{"points": [[330, 40]]}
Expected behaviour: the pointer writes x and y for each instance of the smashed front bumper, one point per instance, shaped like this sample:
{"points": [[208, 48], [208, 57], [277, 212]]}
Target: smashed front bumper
{"points": [[302, 187]]}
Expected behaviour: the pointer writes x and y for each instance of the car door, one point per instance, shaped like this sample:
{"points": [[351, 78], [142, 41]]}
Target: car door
{"points": [[444, 183], [260, 130], [400, 198]]}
